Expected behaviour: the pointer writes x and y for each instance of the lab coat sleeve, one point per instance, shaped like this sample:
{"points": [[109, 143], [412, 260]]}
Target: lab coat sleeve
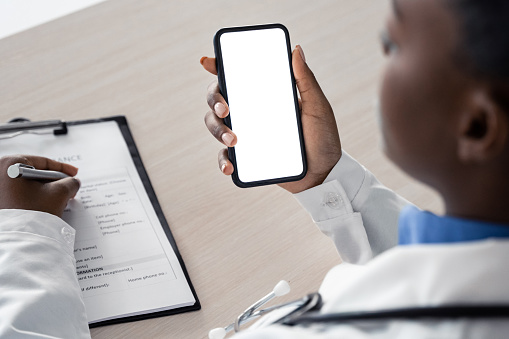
{"points": [[355, 210], [39, 292]]}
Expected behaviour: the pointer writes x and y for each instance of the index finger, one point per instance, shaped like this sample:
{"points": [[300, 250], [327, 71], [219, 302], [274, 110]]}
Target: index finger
{"points": [[209, 64], [50, 164]]}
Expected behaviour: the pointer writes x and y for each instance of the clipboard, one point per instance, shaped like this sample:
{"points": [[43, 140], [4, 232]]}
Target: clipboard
{"points": [[56, 127]]}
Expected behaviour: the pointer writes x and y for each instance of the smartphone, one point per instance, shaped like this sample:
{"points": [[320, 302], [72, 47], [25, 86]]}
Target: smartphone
{"points": [[255, 76]]}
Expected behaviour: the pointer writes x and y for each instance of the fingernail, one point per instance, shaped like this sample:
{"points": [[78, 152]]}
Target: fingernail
{"points": [[227, 138], [202, 59], [223, 166], [301, 53], [219, 108]]}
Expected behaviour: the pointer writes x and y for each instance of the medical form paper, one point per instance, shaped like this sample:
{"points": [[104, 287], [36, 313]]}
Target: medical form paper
{"points": [[125, 264]]}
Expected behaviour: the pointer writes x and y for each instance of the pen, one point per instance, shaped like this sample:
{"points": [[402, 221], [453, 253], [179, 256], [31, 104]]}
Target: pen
{"points": [[29, 172]]}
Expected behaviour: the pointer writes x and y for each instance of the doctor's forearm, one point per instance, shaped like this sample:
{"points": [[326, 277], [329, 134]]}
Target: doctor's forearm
{"points": [[38, 274], [350, 186]]}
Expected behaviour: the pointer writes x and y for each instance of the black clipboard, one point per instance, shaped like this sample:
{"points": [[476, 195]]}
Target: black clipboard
{"points": [[57, 127]]}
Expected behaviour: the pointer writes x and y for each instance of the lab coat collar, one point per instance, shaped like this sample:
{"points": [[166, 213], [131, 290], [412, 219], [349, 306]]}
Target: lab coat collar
{"points": [[421, 227]]}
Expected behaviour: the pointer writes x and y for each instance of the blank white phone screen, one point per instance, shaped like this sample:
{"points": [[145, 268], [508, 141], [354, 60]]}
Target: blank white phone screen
{"points": [[262, 107]]}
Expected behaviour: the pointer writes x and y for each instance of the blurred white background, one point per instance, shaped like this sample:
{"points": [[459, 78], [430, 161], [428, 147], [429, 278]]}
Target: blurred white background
{"points": [[20, 15]]}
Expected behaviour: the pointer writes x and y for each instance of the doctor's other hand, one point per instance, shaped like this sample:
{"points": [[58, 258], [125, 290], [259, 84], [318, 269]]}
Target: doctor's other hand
{"points": [[44, 196], [321, 137]]}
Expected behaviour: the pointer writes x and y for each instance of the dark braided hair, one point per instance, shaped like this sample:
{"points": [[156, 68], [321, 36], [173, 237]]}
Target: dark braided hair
{"points": [[484, 46]]}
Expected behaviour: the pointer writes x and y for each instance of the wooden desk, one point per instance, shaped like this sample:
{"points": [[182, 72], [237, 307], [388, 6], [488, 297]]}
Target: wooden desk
{"points": [[141, 59]]}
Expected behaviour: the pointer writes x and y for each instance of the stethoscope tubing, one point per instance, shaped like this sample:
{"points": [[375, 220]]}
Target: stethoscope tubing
{"points": [[411, 313]]}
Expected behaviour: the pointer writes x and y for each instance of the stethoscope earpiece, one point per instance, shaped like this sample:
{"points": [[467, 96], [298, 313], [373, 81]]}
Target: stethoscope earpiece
{"points": [[217, 333], [281, 288]]}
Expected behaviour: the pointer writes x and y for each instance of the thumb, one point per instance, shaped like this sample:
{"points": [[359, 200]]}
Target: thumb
{"points": [[209, 64], [309, 88], [65, 189]]}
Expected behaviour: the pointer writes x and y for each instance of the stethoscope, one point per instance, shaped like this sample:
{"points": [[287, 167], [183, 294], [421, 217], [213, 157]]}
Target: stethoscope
{"points": [[253, 311], [305, 312]]}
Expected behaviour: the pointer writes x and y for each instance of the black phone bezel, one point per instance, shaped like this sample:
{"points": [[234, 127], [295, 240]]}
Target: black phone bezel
{"points": [[224, 93]]}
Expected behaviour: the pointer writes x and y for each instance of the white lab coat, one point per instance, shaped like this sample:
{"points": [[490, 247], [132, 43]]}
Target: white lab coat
{"points": [[40, 295], [39, 292]]}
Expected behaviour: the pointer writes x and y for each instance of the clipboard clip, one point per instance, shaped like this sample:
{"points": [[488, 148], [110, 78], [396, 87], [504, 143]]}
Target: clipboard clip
{"points": [[20, 126]]}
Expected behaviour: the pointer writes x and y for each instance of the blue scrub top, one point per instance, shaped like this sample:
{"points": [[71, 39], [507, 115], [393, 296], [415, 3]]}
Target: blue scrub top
{"points": [[421, 227]]}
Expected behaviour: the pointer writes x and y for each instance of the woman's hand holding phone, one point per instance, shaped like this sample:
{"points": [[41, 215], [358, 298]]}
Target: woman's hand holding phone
{"points": [[323, 146]]}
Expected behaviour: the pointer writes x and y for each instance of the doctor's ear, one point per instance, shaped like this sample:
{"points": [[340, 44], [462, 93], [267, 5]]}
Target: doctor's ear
{"points": [[483, 129]]}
